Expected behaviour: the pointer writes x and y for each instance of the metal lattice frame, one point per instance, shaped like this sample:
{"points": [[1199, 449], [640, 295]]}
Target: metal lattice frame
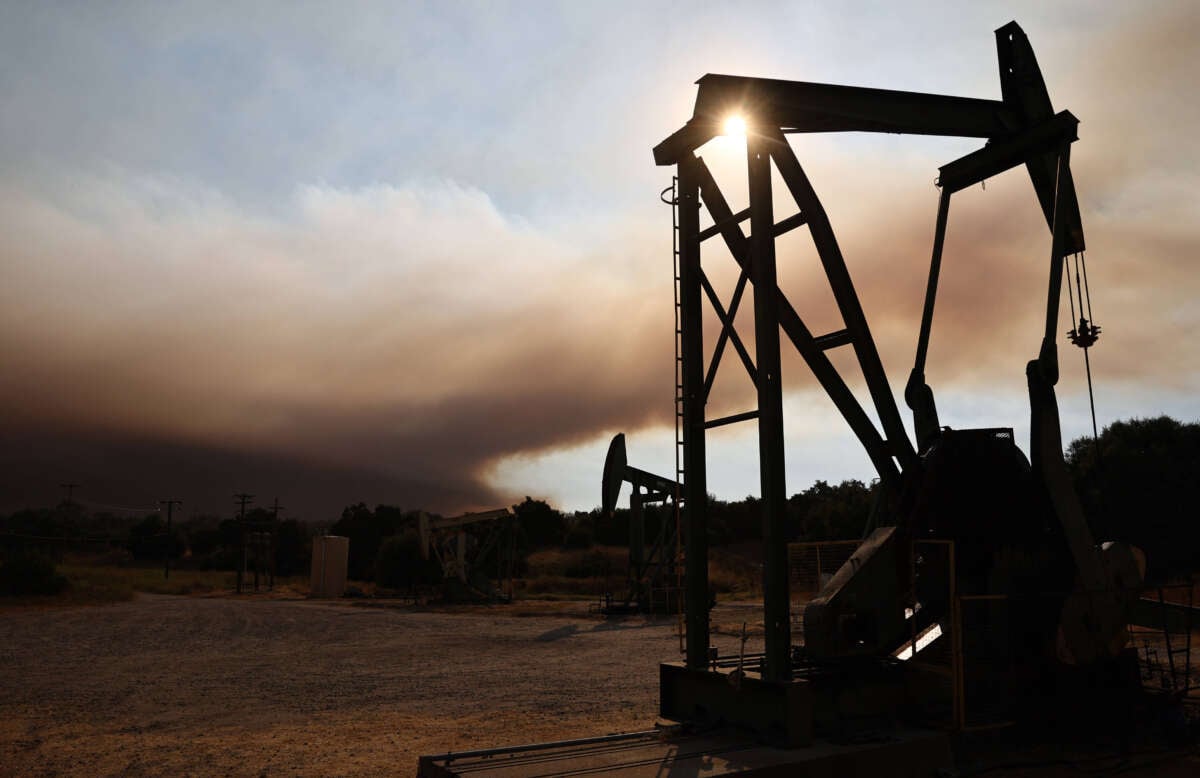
{"points": [[1022, 129]]}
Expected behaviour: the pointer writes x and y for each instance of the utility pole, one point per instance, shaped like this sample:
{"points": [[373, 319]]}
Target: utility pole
{"points": [[167, 553], [275, 509], [242, 499], [70, 490]]}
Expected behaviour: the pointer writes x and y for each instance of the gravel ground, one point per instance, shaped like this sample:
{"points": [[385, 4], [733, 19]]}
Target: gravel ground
{"points": [[242, 686], [262, 687]]}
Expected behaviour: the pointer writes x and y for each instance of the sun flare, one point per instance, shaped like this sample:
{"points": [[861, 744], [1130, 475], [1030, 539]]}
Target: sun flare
{"points": [[735, 126]]}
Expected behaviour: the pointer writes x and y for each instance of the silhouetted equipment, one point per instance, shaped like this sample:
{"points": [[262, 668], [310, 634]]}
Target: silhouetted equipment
{"points": [[70, 491], [272, 551], [242, 499], [330, 560], [978, 596], [1004, 529], [652, 578], [464, 555]]}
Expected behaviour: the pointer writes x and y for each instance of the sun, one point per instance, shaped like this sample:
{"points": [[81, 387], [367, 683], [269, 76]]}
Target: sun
{"points": [[735, 126]]}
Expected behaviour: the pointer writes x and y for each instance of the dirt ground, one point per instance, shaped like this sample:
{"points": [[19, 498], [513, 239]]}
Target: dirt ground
{"points": [[169, 685]]}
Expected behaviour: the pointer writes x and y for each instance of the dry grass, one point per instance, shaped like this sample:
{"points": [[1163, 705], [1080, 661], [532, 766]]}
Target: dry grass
{"points": [[573, 573], [553, 575], [91, 583]]}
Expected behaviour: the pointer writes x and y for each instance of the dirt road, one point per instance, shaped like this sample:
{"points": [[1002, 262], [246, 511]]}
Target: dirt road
{"points": [[224, 686]]}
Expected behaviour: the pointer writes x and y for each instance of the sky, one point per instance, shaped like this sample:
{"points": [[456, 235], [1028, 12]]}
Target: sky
{"points": [[414, 253]]}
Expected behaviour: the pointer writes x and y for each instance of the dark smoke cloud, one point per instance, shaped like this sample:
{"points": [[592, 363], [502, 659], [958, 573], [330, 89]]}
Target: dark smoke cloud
{"points": [[393, 343], [403, 339]]}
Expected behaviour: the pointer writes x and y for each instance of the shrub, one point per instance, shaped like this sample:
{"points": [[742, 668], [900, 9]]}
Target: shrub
{"points": [[399, 564], [597, 561], [25, 573], [578, 537]]}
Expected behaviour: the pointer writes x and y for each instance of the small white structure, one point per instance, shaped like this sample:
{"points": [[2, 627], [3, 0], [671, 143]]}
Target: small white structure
{"points": [[330, 557]]}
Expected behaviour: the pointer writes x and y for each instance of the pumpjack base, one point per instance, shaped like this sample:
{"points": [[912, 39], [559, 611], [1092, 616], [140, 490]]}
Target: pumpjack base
{"points": [[831, 700], [781, 713], [907, 753]]}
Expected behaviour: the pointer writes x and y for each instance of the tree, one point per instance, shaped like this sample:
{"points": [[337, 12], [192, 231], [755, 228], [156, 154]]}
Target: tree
{"points": [[148, 539], [400, 564], [293, 548], [367, 529], [26, 572], [203, 536], [1138, 484], [540, 525], [824, 512]]}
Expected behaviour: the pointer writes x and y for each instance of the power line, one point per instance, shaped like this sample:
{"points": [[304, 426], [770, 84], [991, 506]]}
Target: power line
{"points": [[124, 508]]}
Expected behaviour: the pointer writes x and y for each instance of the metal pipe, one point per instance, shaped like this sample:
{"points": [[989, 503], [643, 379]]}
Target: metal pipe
{"points": [[935, 269], [450, 756], [1048, 355]]}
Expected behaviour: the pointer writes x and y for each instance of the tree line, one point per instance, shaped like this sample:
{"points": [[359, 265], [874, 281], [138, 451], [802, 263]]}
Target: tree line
{"points": [[1137, 482]]}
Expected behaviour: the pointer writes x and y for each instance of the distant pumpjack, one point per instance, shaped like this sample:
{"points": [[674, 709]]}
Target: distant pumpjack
{"points": [[650, 573], [462, 556]]}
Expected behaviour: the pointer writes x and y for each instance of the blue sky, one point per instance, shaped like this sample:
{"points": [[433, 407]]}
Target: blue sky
{"points": [[413, 253]]}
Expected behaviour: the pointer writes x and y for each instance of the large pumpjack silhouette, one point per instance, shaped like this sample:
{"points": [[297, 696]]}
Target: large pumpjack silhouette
{"points": [[979, 585]]}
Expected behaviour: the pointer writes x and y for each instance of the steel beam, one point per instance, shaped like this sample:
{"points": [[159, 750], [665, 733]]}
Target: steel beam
{"points": [[917, 392], [776, 613], [847, 300], [733, 419], [695, 485], [1060, 248], [813, 355], [637, 538], [728, 332], [715, 229], [799, 106], [1024, 91], [999, 156]]}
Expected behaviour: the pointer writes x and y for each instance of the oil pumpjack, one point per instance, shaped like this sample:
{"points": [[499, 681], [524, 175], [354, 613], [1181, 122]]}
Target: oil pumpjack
{"points": [[1015, 525], [961, 515]]}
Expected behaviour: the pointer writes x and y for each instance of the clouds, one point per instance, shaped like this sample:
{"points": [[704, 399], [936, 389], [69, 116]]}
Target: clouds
{"points": [[409, 332], [407, 247]]}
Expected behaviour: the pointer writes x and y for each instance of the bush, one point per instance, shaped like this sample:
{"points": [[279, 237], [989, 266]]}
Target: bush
{"points": [[599, 561], [293, 551], [399, 564], [25, 573], [578, 537]]}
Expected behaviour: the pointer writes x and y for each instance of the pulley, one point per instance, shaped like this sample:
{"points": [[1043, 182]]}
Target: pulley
{"points": [[1086, 332]]}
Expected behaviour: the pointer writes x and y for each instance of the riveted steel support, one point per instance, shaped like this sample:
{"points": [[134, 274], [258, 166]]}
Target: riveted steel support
{"points": [[691, 301], [776, 616]]}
